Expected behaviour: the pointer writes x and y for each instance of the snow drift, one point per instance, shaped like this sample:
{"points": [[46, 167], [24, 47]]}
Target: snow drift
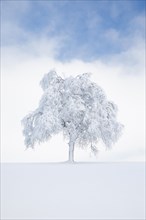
{"points": [[73, 191]]}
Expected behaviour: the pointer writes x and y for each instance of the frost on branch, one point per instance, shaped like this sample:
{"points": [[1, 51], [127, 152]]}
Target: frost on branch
{"points": [[76, 106]]}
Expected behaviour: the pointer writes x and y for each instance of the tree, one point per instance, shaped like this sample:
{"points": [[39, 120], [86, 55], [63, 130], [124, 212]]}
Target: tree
{"points": [[76, 106]]}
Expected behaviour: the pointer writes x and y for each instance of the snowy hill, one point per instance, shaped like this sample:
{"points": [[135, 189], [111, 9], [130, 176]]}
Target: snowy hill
{"points": [[73, 191]]}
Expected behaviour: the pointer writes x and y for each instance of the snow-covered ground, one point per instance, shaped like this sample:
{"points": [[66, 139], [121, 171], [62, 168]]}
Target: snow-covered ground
{"points": [[73, 191]]}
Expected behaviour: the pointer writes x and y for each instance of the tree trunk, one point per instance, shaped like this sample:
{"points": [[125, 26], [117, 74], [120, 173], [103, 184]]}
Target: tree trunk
{"points": [[71, 152]]}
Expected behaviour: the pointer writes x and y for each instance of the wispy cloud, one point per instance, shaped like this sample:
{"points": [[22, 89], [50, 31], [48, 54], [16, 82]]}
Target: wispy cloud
{"points": [[88, 30]]}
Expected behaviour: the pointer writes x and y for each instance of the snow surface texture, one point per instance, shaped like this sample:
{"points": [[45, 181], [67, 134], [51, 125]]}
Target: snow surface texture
{"points": [[73, 191], [76, 106]]}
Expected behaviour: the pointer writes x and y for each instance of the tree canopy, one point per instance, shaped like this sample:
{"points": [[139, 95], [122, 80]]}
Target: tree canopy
{"points": [[76, 106]]}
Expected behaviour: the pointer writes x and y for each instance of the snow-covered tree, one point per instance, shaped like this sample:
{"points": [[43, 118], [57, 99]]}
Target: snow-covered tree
{"points": [[76, 106]]}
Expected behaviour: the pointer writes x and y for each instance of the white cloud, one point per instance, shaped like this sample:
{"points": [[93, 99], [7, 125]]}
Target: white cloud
{"points": [[21, 93]]}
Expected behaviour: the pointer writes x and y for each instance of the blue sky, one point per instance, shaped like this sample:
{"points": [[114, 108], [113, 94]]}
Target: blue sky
{"points": [[83, 29], [105, 38]]}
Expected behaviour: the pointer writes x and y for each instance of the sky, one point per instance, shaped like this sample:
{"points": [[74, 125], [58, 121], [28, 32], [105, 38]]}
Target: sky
{"points": [[106, 38]]}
